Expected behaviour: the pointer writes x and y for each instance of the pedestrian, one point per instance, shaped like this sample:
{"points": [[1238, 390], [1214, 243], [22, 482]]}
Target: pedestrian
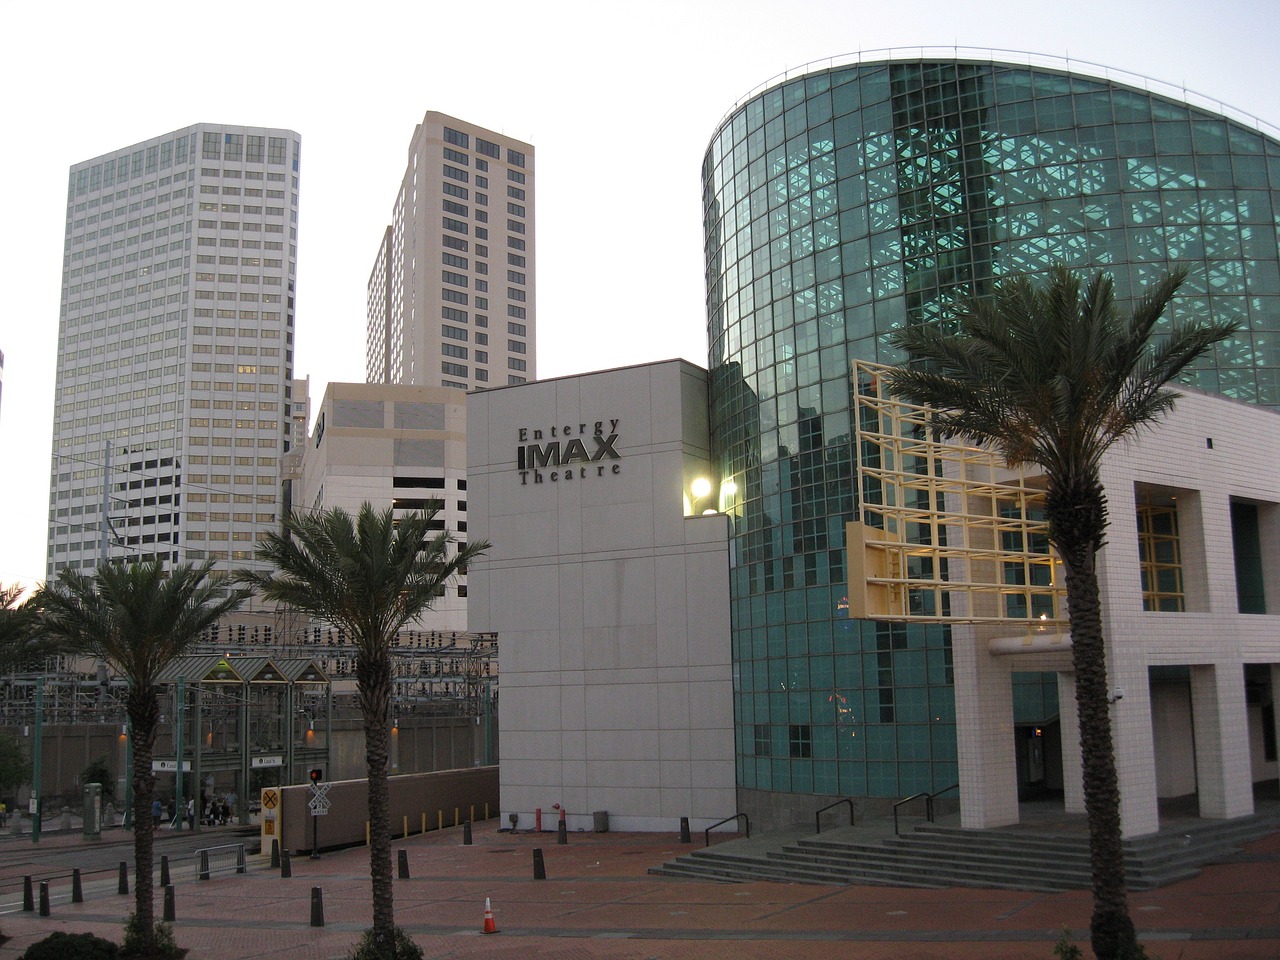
{"points": [[157, 811], [191, 813], [231, 804]]}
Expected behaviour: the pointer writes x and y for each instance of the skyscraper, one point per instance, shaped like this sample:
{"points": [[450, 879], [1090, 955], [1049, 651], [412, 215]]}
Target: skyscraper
{"points": [[175, 348], [463, 219]]}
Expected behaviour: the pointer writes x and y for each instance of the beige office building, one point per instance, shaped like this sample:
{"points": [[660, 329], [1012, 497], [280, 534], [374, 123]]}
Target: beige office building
{"points": [[175, 349], [399, 446], [451, 296]]}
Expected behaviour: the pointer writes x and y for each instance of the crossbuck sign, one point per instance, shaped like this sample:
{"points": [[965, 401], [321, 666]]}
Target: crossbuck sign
{"points": [[319, 803]]}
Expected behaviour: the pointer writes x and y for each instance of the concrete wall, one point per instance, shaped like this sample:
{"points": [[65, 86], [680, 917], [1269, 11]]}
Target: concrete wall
{"points": [[610, 603], [454, 795]]}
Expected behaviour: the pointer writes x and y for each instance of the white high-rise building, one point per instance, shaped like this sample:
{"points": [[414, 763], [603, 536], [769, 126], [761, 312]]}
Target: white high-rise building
{"points": [[451, 297], [175, 348]]}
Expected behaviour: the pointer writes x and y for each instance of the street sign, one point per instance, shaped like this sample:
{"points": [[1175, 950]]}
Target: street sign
{"points": [[319, 806], [258, 763], [270, 799], [169, 766]]}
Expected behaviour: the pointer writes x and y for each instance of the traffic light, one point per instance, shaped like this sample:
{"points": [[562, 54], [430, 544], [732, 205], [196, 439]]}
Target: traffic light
{"points": [[316, 774]]}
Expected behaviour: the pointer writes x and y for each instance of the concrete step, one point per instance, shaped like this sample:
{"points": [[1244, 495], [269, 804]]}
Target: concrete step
{"points": [[935, 855]]}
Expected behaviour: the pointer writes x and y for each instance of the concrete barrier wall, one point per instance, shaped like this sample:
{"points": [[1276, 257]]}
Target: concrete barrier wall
{"points": [[451, 795]]}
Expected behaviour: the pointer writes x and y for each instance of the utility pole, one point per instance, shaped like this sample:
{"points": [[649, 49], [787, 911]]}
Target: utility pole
{"points": [[37, 799]]}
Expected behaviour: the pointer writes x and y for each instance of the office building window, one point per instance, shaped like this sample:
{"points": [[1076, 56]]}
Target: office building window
{"points": [[801, 740], [457, 138]]}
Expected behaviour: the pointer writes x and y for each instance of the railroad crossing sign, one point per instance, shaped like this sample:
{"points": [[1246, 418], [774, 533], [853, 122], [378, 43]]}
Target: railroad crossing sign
{"points": [[319, 804], [270, 799]]}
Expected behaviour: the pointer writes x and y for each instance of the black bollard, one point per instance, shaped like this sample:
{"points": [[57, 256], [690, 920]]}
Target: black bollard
{"points": [[164, 871], [684, 830], [77, 891], [170, 908], [286, 865], [317, 907], [466, 833], [44, 898], [562, 834], [539, 868], [124, 878], [402, 860], [275, 854], [28, 900]]}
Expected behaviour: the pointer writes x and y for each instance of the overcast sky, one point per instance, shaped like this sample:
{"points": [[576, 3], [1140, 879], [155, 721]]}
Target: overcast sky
{"points": [[618, 99]]}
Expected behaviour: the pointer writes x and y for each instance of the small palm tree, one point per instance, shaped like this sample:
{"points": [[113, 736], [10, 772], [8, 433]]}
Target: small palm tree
{"points": [[1052, 376], [138, 617], [370, 576]]}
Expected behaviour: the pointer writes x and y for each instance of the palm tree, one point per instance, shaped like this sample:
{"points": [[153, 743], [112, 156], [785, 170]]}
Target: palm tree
{"points": [[138, 617], [1053, 376], [369, 576], [23, 646]]}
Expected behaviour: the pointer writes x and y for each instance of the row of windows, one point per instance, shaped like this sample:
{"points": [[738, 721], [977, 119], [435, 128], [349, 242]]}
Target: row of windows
{"points": [[460, 139], [250, 148]]}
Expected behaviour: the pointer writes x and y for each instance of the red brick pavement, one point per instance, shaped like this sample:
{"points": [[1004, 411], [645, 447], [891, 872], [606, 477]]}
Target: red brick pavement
{"points": [[600, 902]]}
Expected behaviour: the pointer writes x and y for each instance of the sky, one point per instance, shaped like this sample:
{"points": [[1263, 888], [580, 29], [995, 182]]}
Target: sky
{"points": [[619, 100]]}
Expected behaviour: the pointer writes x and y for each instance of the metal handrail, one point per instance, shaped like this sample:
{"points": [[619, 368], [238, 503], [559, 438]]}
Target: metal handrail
{"points": [[928, 804], [706, 834], [937, 793], [817, 821], [915, 796]]}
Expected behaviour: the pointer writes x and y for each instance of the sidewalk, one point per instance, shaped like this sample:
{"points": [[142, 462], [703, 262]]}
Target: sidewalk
{"points": [[599, 901]]}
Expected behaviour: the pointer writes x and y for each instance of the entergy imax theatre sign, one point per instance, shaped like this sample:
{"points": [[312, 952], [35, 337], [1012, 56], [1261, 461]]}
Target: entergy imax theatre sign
{"points": [[568, 452]]}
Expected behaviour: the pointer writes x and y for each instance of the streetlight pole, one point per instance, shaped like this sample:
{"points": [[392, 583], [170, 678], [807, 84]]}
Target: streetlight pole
{"points": [[179, 809]]}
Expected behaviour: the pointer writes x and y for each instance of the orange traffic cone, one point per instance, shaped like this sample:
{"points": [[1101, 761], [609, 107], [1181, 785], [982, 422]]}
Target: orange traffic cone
{"points": [[489, 925]]}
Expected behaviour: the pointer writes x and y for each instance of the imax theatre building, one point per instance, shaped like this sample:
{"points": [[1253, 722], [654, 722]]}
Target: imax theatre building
{"points": [[757, 586]]}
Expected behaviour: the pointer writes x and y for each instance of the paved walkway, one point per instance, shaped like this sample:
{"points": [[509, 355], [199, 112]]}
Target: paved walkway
{"points": [[599, 901]]}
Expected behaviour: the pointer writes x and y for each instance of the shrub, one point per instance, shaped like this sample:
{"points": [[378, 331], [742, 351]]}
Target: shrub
{"points": [[1064, 949], [134, 944], [72, 946], [400, 948]]}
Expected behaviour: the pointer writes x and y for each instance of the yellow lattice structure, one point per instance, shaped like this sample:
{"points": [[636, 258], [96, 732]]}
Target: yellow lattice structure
{"points": [[948, 532]]}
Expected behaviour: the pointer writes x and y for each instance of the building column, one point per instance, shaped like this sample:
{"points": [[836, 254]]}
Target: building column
{"points": [[1220, 715], [984, 736], [1275, 701], [1069, 722], [1134, 743]]}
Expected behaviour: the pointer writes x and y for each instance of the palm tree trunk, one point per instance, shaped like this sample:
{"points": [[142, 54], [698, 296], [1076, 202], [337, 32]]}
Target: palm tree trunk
{"points": [[143, 707], [1077, 521], [373, 675]]}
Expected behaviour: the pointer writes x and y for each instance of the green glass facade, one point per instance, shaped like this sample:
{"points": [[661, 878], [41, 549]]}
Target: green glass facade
{"points": [[853, 200]]}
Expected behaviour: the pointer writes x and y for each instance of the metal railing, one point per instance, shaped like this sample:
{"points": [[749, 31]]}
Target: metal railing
{"points": [[220, 859], [706, 834], [817, 817], [928, 808], [928, 804]]}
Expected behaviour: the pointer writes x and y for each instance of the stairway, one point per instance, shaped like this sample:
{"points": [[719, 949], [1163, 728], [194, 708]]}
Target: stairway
{"points": [[944, 856]]}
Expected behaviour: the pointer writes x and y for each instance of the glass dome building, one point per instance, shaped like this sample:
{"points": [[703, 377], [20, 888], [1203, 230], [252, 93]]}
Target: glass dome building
{"points": [[850, 200]]}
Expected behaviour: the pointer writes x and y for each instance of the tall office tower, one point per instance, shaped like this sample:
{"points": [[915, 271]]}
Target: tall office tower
{"points": [[463, 221], [175, 348]]}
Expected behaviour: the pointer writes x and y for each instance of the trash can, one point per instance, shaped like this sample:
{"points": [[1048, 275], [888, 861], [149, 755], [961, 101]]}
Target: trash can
{"points": [[601, 818], [92, 810]]}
